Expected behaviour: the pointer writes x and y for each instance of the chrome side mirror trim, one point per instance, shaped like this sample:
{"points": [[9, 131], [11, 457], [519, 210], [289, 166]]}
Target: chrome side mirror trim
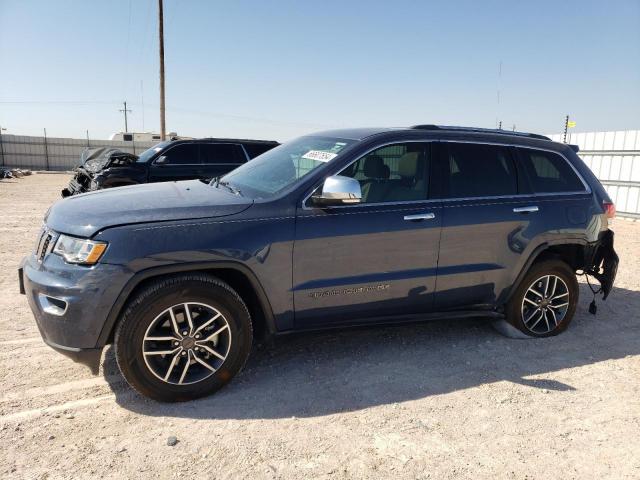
{"points": [[339, 190]]}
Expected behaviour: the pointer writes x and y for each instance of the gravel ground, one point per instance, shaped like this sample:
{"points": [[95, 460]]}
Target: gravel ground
{"points": [[439, 400]]}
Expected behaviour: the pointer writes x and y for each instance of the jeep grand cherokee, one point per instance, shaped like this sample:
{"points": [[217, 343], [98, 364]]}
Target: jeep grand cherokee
{"points": [[347, 227]]}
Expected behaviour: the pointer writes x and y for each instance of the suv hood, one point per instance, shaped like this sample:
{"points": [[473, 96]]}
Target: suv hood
{"points": [[84, 215]]}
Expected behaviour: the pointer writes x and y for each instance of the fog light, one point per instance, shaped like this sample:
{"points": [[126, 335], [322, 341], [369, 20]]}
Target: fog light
{"points": [[52, 305]]}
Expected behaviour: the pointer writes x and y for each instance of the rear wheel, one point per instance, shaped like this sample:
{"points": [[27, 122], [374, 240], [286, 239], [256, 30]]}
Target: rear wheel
{"points": [[183, 337], [545, 302]]}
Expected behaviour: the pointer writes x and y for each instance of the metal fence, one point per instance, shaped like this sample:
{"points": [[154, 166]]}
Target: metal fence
{"points": [[614, 157], [51, 153]]}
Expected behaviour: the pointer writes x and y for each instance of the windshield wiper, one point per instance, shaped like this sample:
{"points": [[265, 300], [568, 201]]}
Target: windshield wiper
{"points": [[233, 190]]}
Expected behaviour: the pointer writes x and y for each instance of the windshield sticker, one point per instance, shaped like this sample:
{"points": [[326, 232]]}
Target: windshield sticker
{"points": [[319, 155]]}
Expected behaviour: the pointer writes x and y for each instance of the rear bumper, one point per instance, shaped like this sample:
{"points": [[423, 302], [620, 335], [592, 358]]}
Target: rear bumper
{"points": [[70, 303], [604, 266]]}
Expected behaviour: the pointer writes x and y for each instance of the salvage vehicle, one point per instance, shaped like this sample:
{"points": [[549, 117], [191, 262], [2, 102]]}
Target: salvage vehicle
{"points": [[343, 228], [204, 158]]}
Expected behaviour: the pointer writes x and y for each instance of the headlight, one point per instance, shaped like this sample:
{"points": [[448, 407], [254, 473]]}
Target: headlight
{"points": [[79, 250]]}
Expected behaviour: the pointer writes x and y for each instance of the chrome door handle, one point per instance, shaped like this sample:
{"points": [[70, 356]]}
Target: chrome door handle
{"points": [[419, 216], [526, 209]]}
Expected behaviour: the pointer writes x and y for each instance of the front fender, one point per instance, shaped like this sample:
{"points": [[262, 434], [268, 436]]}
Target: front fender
{"points": [[158, 272]]}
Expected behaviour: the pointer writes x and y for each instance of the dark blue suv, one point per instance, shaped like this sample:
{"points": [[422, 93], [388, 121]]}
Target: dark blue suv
{"points": [[340, 228]]}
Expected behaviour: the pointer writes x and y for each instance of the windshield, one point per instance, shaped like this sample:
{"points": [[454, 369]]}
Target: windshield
{"points": [[147, 154], [281, 167]]}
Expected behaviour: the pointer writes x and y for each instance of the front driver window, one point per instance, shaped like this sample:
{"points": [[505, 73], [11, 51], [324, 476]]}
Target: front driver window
{"points": [[184, 154], [394, 173]]}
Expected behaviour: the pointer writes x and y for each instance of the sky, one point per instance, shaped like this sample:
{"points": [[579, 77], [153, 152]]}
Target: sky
{"points": [[280, 69]]}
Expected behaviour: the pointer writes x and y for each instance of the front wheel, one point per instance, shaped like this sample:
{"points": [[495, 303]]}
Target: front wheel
{"points": [[545, 301], [183, 337]]}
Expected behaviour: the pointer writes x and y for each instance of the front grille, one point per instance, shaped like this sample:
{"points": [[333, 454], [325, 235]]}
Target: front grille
{"points": [[45, 244]]}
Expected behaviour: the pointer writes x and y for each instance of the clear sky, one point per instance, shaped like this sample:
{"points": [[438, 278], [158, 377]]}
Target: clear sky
{"points": [[278, 69]]}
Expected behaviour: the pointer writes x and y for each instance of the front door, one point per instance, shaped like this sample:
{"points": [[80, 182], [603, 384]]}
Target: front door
{"points": [[180, 162], [356, 263]]}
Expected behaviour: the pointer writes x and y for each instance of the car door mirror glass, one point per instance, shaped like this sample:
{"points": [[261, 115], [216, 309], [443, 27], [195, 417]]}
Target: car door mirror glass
{"points": [[338, 190]]}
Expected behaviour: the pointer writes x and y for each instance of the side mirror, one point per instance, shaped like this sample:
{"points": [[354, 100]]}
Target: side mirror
{"points": [[338, 190], [162, 159]]}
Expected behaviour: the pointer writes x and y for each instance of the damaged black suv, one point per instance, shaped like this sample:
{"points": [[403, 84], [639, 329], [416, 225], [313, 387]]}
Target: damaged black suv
{"points": [[171, 160]]}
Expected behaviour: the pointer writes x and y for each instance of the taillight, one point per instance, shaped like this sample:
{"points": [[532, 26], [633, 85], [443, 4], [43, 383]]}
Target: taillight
{"points": [[609, 210]]}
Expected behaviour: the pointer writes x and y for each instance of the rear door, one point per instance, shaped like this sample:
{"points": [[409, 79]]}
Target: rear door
{"points": [[483, 233], [181, 162], [355, 263], [220, 158], [563, 205]]}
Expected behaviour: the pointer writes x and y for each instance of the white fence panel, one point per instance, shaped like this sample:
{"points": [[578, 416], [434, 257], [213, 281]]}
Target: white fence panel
{"points": [[52, 153], [614, 157]]}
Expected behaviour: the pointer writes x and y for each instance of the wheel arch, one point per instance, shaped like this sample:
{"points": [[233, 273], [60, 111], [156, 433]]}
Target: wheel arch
{"points": [[574, 252], [238, 276]]}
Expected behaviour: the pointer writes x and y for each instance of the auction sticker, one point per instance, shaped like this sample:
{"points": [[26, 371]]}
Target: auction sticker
{"points": [[319, 155]]}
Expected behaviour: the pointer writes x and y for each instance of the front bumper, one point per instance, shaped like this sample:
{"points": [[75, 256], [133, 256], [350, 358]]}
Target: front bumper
{"points": [[80, 183], [70, 303]]}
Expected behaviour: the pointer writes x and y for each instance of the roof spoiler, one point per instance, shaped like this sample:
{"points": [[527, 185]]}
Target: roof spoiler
{"points": [[575, 148]]}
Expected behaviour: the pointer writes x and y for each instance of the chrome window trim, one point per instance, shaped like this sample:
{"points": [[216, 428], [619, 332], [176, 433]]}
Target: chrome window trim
{"points": [[457, 199]]}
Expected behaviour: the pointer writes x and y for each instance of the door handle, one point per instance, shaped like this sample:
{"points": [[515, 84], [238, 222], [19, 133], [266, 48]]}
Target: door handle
{"points": [[530, 209], [419, 216]]}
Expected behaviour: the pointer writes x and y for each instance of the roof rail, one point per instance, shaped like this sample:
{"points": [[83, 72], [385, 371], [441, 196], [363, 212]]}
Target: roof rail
{"points": [[478, 130]]}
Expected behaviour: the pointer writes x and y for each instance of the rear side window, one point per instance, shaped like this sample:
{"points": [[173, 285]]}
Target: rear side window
{"points": [[255, 149], [212, 153], [184, 154], [548, 172], [479, 171]]}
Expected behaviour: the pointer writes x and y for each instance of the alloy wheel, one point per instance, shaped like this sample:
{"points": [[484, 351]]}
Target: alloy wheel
{"points": [[545, 304], [186, 343]]}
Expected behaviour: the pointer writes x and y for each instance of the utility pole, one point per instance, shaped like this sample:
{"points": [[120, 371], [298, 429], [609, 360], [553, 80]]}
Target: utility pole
{"points": [[46, 149], [161, 39], [126, 125], [500, 125], [566, 126]]}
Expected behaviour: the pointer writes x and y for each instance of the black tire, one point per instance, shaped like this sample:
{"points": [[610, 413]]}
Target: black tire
{"points": [[145, 312], [516, 312]]}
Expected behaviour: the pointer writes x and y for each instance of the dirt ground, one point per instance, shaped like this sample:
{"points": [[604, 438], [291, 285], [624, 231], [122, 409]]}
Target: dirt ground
{"points": [[447, 399]]}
